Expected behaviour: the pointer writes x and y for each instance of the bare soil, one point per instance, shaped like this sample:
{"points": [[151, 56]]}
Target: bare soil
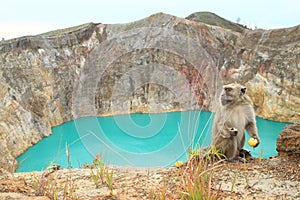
{"points": [[274, 178]]}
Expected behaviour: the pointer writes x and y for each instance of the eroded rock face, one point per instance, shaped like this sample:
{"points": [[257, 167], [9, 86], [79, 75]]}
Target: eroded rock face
{"points": [[36, 83], [161, 63], [288, 142]]}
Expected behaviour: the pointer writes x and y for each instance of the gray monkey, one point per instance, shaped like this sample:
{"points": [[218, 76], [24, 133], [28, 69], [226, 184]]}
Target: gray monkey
{"points": [[235, 110]]}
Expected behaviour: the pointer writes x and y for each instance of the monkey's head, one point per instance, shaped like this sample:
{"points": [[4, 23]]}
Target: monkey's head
{"points": [[233, 131], [232, 93], [229, 132]]}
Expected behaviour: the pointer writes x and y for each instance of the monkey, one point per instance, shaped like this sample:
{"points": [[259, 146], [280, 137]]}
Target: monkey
{"points": [[226, 142], [235, 110]]}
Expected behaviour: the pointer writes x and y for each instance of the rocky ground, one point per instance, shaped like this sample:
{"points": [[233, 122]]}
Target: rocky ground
{"points": [[274, 178]]}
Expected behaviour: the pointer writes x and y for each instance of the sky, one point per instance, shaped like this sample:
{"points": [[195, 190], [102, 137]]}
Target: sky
{"points": [[29, 17]]}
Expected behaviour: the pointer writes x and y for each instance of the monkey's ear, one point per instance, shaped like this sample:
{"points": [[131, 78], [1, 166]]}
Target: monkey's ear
{"points": [[243, 90]]}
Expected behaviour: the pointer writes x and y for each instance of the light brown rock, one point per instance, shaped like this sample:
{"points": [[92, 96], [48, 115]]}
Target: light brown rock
{"points": [[288, 142]]}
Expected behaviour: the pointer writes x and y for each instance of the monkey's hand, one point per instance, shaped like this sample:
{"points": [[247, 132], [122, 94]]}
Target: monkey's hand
{"points": [[258, 141]]}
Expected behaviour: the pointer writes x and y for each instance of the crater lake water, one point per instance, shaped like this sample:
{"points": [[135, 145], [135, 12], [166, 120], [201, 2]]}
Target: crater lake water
{"points": [[143, 140]]}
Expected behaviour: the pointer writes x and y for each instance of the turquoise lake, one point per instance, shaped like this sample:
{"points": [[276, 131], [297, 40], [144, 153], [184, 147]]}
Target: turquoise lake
{"points": [[143, 140]]}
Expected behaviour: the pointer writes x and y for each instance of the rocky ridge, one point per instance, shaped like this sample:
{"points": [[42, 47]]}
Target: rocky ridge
{"points": [[157, 64]]}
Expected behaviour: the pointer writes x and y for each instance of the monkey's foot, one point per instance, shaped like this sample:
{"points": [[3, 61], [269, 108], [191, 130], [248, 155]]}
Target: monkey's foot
{"points": [[238, 159], [243, 160], [245, 153]]}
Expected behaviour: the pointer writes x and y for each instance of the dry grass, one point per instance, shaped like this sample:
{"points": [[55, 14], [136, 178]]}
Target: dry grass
{"points": [[191, 181]]}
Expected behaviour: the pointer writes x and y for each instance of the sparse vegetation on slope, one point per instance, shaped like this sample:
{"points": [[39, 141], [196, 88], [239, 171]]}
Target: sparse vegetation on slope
{"points": [[215, 20], [67, 30]]}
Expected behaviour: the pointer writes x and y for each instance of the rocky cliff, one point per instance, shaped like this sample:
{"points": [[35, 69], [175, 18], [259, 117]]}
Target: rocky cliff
{"points": [[161, 63]]}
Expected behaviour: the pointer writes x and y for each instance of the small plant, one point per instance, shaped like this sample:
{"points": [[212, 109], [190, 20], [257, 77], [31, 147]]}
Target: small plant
{"points": [[260, 155], [53, 167], [234, 180], [245, 174], [47, 184], [196, 181], [68, 155], [69, 188], [192, 181], [162, 193], [44, 186], [97, 170], [213, 153], [109, 179], [193, 153], [100, 174]]}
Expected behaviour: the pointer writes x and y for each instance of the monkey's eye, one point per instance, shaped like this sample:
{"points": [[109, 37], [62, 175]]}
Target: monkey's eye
{"points": [[227, 89]]}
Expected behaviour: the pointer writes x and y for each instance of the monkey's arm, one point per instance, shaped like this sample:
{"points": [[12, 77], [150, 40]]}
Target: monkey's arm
{"points": [[251, 125], [216, 125]]}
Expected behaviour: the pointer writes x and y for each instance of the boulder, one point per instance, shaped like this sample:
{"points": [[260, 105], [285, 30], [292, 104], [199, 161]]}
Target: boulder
{"points": [[288, 142]]}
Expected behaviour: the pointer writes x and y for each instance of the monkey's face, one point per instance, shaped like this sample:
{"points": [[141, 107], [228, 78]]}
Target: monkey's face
{"points": [[231, 93], [233, 131]]}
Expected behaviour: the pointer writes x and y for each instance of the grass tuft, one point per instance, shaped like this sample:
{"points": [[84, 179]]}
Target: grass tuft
{"points": [[100, 173], [193, 181]]}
